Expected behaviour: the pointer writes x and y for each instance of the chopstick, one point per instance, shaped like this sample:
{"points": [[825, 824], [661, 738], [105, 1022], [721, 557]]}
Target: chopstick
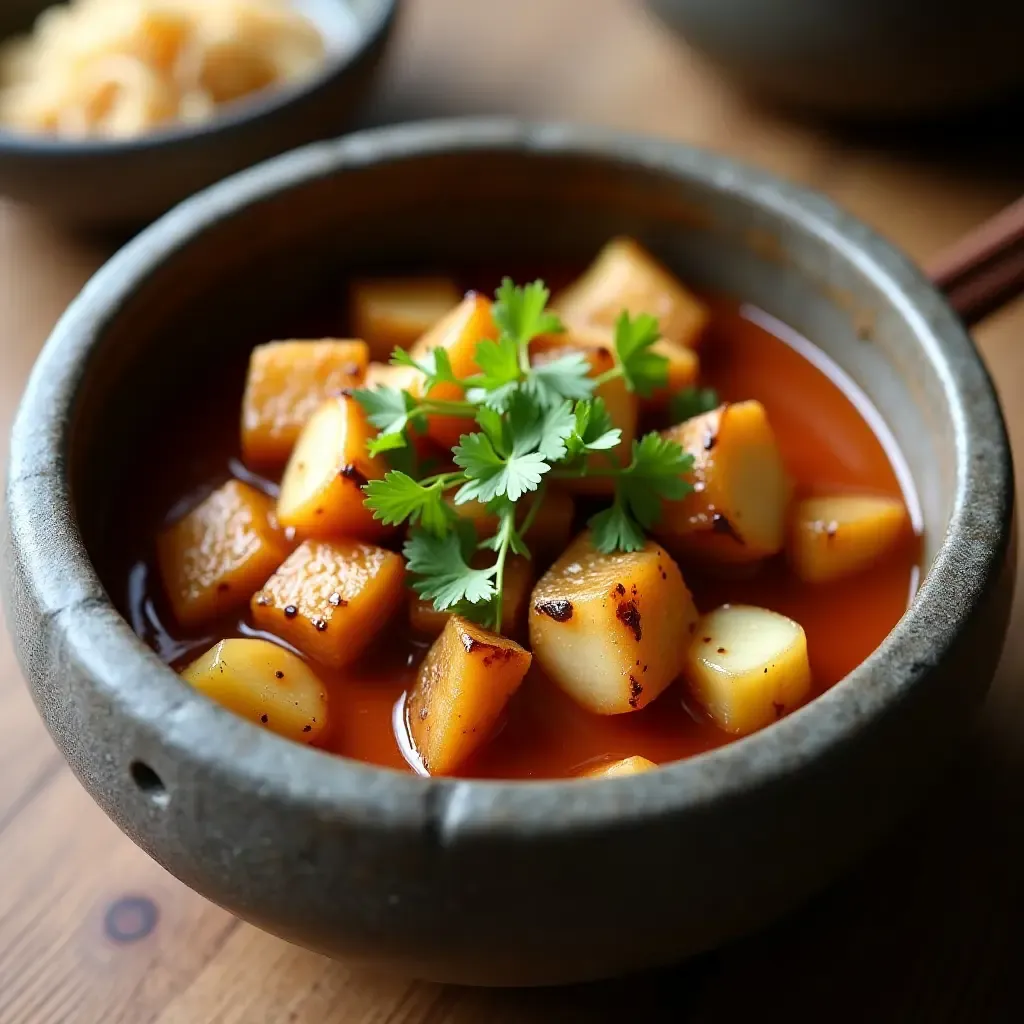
{"points": [[985, 269]]}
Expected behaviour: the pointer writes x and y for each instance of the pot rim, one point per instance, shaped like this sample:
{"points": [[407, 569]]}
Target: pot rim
{"points": [[172, 721]]}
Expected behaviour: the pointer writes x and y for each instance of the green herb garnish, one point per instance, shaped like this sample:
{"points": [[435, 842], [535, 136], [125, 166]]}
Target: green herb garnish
{"points": [[692, 402], [535, 424]]}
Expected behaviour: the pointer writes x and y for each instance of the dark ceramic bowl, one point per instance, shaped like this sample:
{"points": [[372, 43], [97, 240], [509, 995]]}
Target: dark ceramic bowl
{"points": [[860, 58], [124, 184], [499, 882]]}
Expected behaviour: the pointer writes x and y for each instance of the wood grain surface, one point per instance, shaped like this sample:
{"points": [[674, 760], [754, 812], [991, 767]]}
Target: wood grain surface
{"points": [[92, 932]]}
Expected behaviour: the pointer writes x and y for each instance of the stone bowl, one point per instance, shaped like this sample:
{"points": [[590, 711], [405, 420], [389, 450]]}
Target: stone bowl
{"points": [[499, 883], [119, 185]]}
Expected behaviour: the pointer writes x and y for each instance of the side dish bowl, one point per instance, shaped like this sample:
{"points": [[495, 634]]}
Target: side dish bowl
{"points": [[500, 882], [120, 184]]}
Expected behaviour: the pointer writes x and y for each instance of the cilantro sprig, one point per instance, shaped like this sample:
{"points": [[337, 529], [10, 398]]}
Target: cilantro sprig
{"points": [[532, 423]]}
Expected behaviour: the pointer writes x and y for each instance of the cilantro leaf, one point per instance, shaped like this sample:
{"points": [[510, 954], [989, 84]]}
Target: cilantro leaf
{"points": [[398, 497], [642, 369], [655, 474], [490, 475], [692, 402], [615, 529], [388, 409], [498, 362], [492, 424], [556, 426], [476, 454], [444, 575], [593, 430], [521, 313], [566, 377], [386, 443], [523, 425], [436, 366], [401, 357]]}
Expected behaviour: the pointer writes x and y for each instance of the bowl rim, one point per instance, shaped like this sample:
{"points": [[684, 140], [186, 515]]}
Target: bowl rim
{"points": [[231, 117], [179, 723]]}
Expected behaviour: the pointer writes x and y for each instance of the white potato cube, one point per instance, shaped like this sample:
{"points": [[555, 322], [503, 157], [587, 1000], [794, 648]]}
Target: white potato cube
{"points": [[611, 630], [747, 667]]}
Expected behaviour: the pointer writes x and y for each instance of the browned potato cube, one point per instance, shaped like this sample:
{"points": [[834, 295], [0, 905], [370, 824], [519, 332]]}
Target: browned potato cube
{"points": [[329, 600], [322, 489], [624, 276], [839, 536], [468, 677], [287, 383], [458, 333], [213, 559], [263, 682], [394, 313], [737, 510]]}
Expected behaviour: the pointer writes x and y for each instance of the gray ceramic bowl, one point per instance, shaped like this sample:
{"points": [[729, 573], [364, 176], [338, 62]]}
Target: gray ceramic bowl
{"points": [[860, 57], [123, 184], [491, 882]]}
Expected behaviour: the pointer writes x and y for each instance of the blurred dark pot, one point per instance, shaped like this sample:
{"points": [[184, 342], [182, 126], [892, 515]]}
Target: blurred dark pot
{"points": [[859, 57]]}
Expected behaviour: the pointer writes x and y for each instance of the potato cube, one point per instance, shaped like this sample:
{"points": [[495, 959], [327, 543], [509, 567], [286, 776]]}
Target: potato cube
{"points": [[265, 683], [213, 559], [624, 276], [458, 334], [287, 383], [831, 538], [623, 406], [636, 765], [396, 312], [322, 489], [464, 684], [329, 600], [611, 630], [518, 581], [737, 510], [747, 667]]}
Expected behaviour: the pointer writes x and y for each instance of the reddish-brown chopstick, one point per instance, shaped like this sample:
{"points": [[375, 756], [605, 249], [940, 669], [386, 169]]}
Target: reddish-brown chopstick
{"points": [[984, 269]]}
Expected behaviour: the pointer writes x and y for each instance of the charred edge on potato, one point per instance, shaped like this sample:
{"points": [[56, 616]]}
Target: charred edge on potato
{"points": [[629, 615], [720, 524], [350, 472], [558, 609], [635, 690], [474, 646]]}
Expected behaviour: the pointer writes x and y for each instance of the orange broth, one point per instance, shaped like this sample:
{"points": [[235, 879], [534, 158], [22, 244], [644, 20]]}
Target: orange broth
{"points": [[829, 445]]}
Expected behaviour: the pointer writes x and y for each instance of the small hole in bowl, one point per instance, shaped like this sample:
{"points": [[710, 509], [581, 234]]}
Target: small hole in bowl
{"points": [[149, 783]]}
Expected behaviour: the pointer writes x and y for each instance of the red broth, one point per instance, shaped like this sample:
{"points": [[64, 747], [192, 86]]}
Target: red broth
{"points": [[832, 441]]}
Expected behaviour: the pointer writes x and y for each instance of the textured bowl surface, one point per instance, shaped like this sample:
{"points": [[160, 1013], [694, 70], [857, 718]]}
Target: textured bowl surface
{"points": [[490, 882], [860, 58], [123, 184]]}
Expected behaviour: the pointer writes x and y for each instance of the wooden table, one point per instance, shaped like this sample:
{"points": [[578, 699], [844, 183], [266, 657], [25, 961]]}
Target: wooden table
{"points": [[93, 932]]}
